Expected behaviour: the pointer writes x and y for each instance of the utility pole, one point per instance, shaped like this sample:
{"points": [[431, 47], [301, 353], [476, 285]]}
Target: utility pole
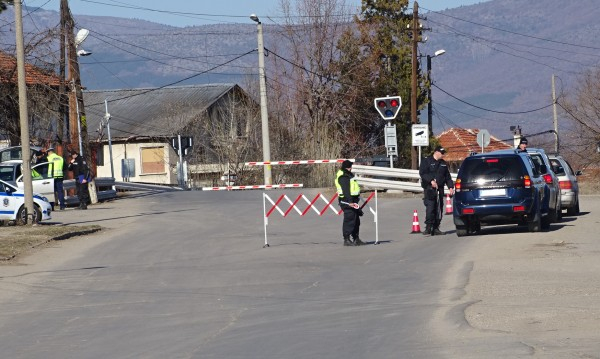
{"points": [[413, 92], [23, 114], [62, 98], [555, 116], [77, 120]]}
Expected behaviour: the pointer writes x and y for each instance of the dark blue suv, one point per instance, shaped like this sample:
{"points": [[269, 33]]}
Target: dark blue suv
{"points": [[500, 187]]}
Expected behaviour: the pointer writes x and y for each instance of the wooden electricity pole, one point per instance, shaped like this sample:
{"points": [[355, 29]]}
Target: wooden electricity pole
{"points": [[413, 92]]}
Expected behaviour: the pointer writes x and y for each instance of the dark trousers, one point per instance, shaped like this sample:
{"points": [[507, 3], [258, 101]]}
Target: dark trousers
{"points": [[433, 200], [60, 192], [351, 224], [83, 193]]}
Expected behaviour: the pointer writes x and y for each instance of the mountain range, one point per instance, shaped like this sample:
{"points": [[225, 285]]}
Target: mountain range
{"points": [[496, 72]]}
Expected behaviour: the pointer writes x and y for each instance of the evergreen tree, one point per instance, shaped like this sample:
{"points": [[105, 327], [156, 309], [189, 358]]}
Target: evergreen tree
{"points": [[384, 38]]}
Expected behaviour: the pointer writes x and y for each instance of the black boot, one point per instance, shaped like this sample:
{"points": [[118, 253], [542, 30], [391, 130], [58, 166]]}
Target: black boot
{"points": [[437, 232], [348, 242], [358, 242], [427, 231]]}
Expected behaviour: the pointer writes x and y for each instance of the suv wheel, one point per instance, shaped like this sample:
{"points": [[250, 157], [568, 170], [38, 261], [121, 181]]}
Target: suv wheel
{"points": [[535, 224], [461, 231], [572, 211]]}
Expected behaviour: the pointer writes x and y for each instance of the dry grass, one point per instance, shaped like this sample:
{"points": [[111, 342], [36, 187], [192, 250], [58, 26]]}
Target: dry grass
{"points": [[15, 240]]}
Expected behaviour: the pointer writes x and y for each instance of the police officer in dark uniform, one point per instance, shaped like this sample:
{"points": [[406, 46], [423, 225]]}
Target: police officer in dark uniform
{"points": [[81, 172], [522, 147], [434, 174], [348, 197]]}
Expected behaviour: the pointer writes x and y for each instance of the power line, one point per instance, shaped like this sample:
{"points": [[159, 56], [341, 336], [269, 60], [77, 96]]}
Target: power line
{"points": [[488, 110], [514, 32]]}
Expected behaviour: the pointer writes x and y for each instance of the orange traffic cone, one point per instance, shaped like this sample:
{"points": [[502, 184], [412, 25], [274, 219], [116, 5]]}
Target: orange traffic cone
{"points": [[416, 228], [448, 204]]}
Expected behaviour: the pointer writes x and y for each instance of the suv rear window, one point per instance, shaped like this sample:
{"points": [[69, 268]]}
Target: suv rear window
{"points": [[501, 168]]}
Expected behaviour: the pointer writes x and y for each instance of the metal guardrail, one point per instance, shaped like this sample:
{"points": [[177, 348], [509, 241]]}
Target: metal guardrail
{"points": [[105, 189], [369, 176]]}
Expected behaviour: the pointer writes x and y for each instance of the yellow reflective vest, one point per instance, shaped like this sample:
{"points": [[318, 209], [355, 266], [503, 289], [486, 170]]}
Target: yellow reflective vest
{"points": [[57, 164], [354, 187]]}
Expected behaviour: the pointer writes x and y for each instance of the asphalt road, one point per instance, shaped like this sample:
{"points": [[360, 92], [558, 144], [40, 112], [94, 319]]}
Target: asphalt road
{"points": [[185, 275]]}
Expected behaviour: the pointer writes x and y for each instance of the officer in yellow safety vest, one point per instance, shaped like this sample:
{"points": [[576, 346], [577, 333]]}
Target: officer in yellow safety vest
{"points": [[56, 169], [348, 197]]}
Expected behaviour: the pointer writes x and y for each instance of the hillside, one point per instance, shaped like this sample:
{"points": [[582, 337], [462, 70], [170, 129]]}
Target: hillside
{"points": [[500, 56]]}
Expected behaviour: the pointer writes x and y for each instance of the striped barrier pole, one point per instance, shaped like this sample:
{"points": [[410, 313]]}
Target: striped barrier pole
{"points": [[299, 162], [262, 186]]}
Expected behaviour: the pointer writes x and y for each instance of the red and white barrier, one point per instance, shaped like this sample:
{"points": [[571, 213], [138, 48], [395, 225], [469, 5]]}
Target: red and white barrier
{"points": [[300, 162], [311, 204], [262, 186]]}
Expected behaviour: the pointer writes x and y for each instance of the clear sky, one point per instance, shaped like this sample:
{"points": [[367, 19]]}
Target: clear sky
{"points": [[200, 12]]}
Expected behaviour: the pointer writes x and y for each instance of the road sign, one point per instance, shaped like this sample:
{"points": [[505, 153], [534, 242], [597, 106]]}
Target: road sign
{"points": [[391, 142], [483, 138], [420, 135]]}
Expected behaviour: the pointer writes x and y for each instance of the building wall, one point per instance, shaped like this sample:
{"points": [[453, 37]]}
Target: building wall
{"points": [[143, 172]]}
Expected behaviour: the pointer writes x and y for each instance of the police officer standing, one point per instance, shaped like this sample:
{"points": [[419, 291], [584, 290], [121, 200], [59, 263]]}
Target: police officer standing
{"points": [[434, 174], [348, 197], [81, 173], [57, 167]]}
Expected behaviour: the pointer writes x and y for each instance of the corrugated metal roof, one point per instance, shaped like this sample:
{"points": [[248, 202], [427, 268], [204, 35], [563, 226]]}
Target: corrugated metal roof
{"points": [[151, 112], [460, 143]]}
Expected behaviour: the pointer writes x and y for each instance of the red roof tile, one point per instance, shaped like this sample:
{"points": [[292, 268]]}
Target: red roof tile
{"points": [[460, 143], [33, 75]]}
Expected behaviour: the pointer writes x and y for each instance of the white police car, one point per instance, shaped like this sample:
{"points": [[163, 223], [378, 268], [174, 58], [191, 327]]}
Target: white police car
{"points": [[12, 204]]}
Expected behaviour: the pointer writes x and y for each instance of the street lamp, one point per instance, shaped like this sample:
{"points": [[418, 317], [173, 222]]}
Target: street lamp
{"points": [[430, 104], [264, 115]]}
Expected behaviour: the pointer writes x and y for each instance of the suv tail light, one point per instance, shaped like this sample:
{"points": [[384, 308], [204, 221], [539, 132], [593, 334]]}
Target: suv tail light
{"points": [[468, 211], [565, 185], [518, 208], [548, 178], [457, 185], [527, 181]]}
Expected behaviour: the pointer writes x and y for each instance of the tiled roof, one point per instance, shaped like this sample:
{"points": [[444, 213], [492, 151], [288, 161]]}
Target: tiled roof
{"points": [[460, 143], [33, 75]]}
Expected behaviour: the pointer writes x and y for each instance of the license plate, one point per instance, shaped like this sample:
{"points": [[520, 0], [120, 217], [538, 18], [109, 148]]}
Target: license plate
{"points": [[492, 192]]}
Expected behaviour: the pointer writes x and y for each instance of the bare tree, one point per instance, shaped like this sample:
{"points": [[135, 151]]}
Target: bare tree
{"points": [[306, 80], [583, 111]]}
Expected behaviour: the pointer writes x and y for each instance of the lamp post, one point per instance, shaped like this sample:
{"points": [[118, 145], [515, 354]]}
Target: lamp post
{"points": [[264, 115], [430, 104]]}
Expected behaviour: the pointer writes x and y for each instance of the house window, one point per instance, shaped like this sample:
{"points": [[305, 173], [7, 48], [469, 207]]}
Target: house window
{"points": [[153, 160]]}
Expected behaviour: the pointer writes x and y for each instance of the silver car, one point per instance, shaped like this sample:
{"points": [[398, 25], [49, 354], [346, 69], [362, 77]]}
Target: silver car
{"points": [[569, 188]]}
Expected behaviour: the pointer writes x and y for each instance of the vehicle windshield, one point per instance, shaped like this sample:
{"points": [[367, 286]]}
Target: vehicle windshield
{"points": [[492, 169]]}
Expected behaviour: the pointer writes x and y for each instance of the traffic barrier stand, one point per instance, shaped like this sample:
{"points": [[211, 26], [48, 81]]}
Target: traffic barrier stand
{"points": [[448, 204], [416, 227], [311, 204]]}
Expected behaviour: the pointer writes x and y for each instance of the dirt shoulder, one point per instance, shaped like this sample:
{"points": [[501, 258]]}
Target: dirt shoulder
{"points": [[20, 240]]}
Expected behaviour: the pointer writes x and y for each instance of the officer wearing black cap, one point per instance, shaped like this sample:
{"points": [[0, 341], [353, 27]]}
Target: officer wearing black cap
{"points": [[522, 145], [434, 175], [348, 197]]}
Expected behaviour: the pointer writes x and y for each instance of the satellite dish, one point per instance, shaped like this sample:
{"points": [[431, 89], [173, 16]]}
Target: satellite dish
{"points": [[81, 36]]}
